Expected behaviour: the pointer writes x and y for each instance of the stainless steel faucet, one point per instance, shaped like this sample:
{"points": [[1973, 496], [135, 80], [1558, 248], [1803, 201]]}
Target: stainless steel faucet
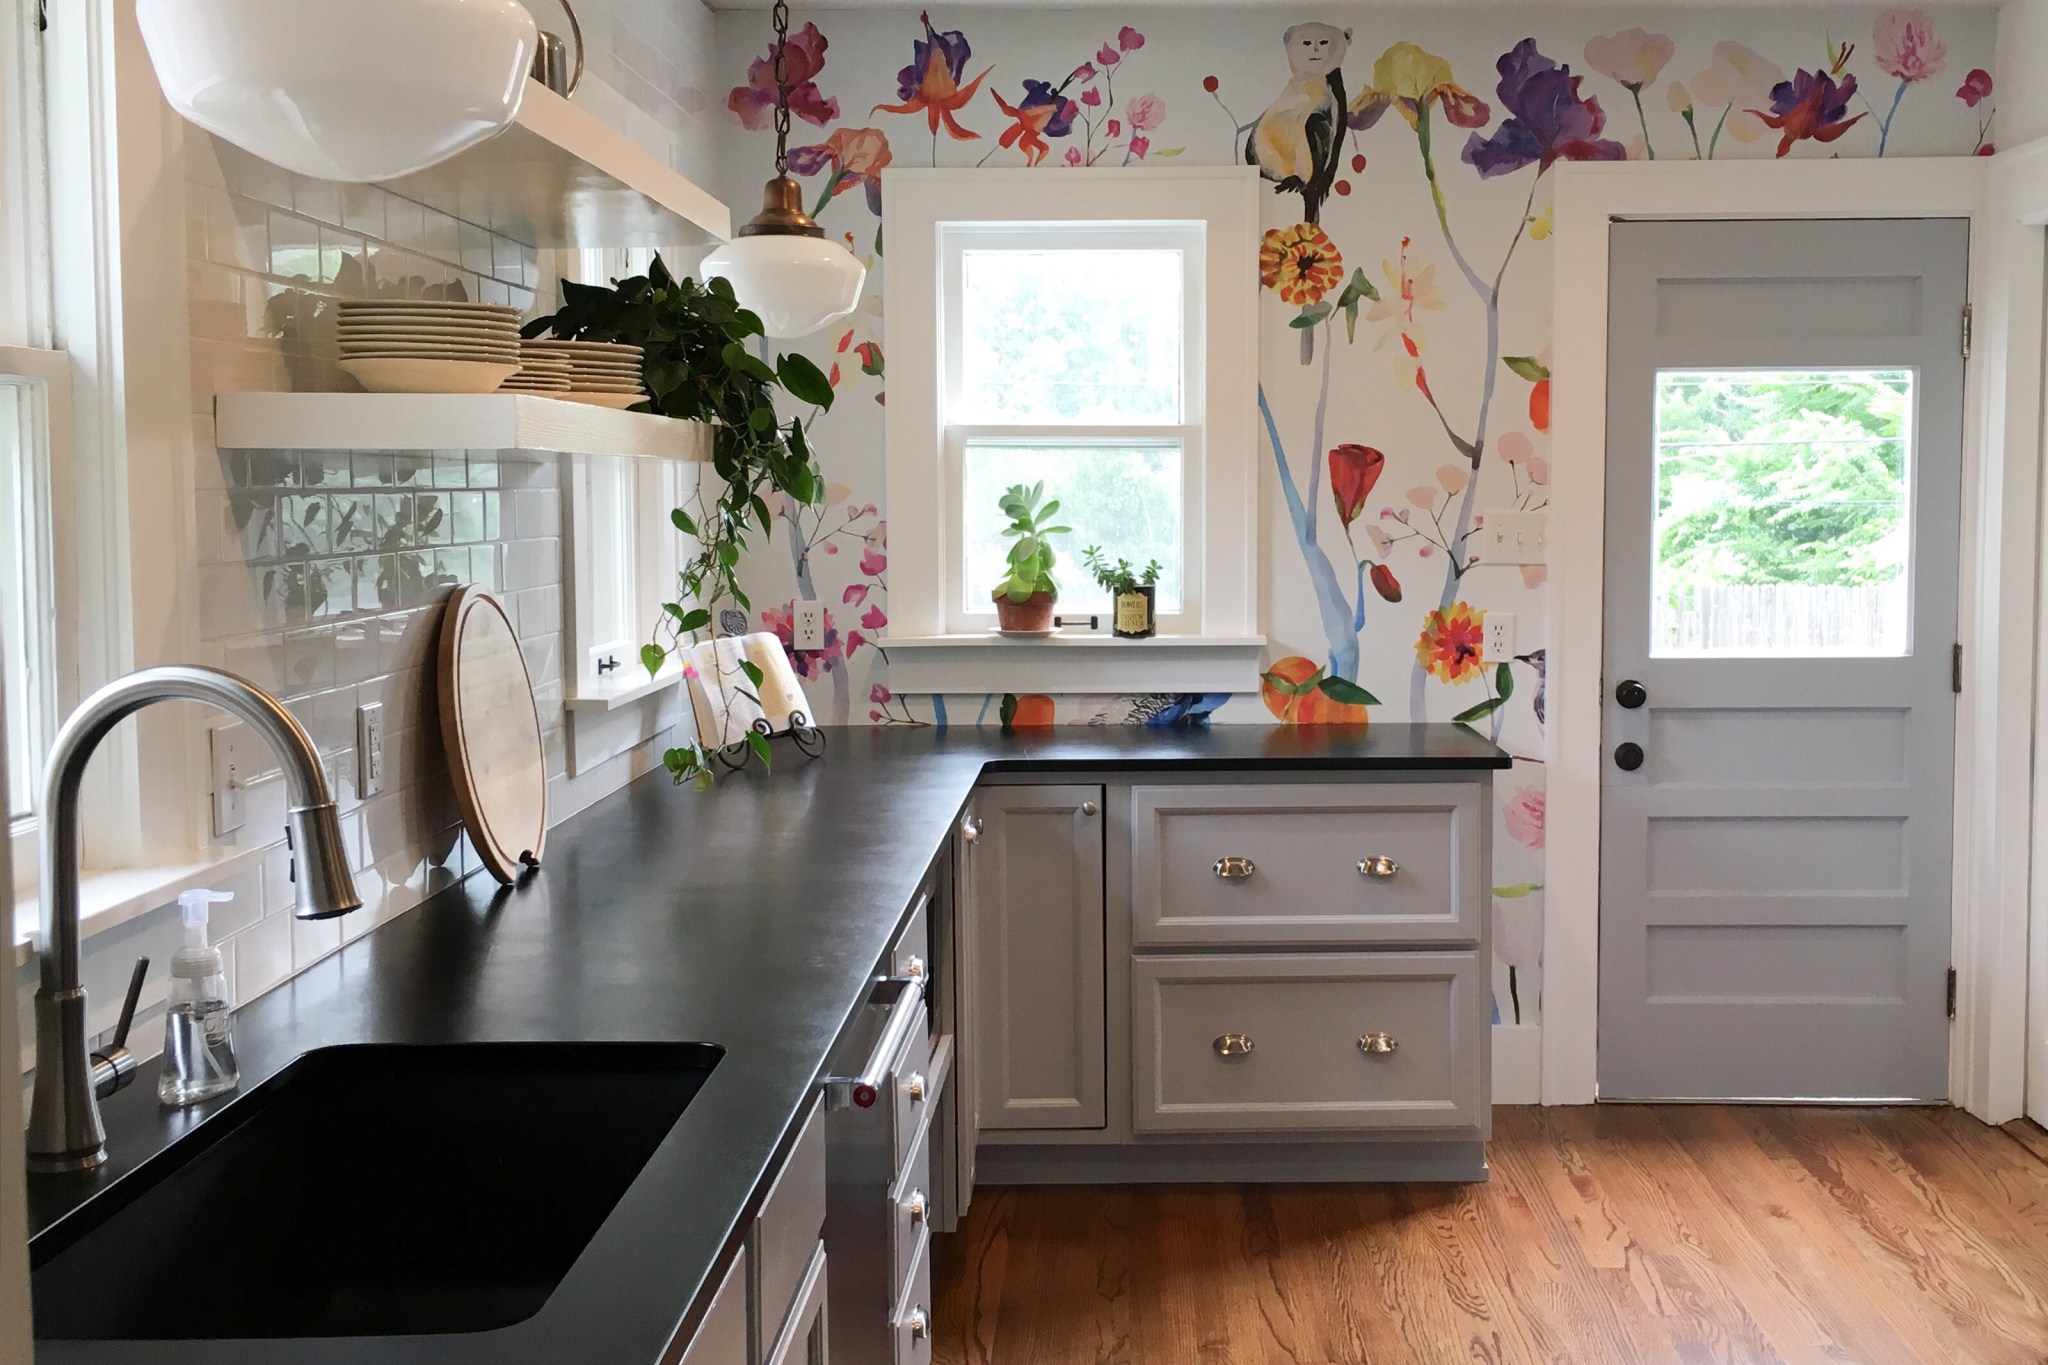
{"points": [[64, 1130]]}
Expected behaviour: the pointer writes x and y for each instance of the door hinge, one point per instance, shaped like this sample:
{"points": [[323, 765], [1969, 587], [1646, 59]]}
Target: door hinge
{"points": [[1951, 992], [1969, 319], [1955, 668]]}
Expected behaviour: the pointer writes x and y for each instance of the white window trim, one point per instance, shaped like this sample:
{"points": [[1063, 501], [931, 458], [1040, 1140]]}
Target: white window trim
{"points": [[51, 370], [927, 650]]}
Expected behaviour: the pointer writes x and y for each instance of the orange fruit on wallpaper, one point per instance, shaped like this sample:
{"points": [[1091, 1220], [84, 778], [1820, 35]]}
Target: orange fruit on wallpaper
{"points": [[1032, 711], [1291, 692], [1539, 405]]}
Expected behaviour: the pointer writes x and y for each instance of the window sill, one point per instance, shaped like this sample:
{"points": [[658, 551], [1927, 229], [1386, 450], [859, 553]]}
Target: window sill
{"points": [[1074, 663], [108, 900], [626, 693]]}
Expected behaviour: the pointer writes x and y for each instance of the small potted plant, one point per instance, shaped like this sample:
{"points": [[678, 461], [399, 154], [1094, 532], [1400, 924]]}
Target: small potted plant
{"points": [[1133, 593], [1026, 596]]}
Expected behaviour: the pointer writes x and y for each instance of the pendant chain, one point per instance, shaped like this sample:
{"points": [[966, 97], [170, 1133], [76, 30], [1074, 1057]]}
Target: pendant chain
{"points": [[781, 87]]}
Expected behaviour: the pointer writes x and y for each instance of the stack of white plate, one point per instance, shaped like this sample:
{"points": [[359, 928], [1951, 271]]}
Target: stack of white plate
{"points": [[428, 345], [543, 374], [606, 373]]}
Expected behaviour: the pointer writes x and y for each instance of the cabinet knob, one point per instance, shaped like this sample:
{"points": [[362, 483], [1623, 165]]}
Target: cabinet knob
{"points": [[1377, 865], [1234, 1045], [1234, 869], [913, 967], [1377, 1044], [919, 1322], [1090, 808], [970, 830], [914, 1087], [915, 1206]]}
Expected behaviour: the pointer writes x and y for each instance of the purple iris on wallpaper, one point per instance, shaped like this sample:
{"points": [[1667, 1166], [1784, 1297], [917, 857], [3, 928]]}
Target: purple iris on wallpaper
{"points": [[930, 85], [1041, 95], [754, 102], [1548, 120], [1810, 105]]}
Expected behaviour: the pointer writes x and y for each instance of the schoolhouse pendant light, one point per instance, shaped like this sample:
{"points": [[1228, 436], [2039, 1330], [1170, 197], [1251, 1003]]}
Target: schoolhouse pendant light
{"points": [[779, 264], [352, 90]]}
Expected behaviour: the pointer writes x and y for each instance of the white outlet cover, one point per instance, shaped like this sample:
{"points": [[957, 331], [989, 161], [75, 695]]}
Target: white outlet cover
{"points": [[1499, 643], [808, 629], [370, 749], [231, 759]]}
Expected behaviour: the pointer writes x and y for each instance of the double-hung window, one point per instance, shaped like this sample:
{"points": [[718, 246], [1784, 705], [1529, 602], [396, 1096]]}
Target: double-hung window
{"points": [[1092, 331]]}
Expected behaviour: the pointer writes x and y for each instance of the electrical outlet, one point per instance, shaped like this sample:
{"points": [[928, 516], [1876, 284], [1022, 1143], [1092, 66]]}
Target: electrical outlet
{"points": [[231, 758], [808, 632], [1513, 538], [369, 749], [1499, 645]]}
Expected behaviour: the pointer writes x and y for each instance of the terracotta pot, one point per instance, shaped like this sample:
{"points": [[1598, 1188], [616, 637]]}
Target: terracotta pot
{"points": [[1034, 613]]}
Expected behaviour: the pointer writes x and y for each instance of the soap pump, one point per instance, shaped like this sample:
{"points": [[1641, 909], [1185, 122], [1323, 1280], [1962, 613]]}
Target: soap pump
{"points": [[199, 1038]]}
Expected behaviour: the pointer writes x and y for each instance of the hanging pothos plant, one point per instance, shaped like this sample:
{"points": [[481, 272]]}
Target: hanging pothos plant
{"points": [[697, 368]]}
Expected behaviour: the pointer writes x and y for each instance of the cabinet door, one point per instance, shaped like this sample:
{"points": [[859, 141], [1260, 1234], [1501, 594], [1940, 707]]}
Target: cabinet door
{"points": [[721, 1339], [804, 1339], [1039, 1026]]}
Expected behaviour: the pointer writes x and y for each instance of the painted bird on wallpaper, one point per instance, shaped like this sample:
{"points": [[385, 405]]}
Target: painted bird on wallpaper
{"points": [[1297, 141]]}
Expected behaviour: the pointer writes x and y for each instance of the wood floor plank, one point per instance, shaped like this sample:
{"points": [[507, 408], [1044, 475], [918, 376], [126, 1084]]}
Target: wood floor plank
{"points": [[1615, 1234]]}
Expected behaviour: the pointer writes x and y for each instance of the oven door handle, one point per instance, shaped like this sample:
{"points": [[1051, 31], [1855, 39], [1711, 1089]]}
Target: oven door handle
{"points": [[904, 996]]}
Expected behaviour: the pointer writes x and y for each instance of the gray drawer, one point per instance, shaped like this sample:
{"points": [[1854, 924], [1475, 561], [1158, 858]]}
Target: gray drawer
{"points": [[1306, 1017], [913, 1320], [804, 1336], [1258, 865], [911, 1095], [911, 1212], [912, 955], [786, 1235]]}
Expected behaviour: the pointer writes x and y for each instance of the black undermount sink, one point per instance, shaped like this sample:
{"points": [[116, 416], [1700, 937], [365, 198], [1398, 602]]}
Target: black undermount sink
{"points": [[371, 1190]]}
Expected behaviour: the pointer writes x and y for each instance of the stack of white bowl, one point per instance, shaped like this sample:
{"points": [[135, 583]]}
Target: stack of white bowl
{"points": [[606, 373], [428, 345], [543, 374]]}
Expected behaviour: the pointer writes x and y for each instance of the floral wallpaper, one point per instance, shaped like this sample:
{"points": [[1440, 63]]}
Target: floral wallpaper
{"points": [[1404, 351]]}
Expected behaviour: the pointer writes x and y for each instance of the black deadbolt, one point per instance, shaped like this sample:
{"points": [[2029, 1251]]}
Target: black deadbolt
{"points": [[1628, 757], [1631, 693]]}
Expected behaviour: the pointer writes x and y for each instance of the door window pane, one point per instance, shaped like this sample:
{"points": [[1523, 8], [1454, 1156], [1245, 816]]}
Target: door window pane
{"points": [[1070, 335], [1783, 518], [1125, 498]]}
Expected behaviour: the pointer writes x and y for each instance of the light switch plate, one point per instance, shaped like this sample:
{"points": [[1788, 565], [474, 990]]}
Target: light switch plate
{"points": [[370, 749], [1513, 538], [808, 632], [231, 759]]}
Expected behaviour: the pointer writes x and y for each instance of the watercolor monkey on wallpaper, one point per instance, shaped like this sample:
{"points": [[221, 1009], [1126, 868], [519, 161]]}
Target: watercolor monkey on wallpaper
{"points": [[1298, 141]]}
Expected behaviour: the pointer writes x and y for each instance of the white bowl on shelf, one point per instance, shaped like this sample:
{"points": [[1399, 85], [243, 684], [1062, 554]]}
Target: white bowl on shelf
{"points": [[352, 90], [411, 374]]}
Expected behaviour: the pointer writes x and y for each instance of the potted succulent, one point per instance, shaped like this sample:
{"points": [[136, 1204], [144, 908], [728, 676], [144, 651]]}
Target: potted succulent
{"points": [[1027, 595], [1133, 593]]}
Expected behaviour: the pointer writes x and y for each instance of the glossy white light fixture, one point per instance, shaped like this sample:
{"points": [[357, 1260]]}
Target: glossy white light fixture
{"points": [[780, 265], [350, 90]]}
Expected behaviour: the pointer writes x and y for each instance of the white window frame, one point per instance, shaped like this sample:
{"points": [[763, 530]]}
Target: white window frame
{"points": [[615, 523], [934, 643]]}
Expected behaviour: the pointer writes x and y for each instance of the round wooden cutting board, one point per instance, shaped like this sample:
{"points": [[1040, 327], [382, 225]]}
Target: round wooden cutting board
{"points": [[491, 730]]}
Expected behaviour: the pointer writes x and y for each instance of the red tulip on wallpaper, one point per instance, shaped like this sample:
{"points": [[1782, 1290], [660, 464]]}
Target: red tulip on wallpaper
{"points": [[1354, 469]]}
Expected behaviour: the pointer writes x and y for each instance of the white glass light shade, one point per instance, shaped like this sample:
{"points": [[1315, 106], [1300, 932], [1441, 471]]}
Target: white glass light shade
{"points": [[795, 284], [343, 89]]}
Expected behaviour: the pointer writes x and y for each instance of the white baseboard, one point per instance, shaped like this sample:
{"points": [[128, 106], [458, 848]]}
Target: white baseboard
{"points": [[1517, 1063]]}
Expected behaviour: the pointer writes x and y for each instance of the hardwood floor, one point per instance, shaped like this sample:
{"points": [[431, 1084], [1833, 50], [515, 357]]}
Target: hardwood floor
{"points": [[1613, 1233]]}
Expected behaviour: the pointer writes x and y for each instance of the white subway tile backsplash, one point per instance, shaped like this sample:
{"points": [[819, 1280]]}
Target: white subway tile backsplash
{"points": [[263, 956]]}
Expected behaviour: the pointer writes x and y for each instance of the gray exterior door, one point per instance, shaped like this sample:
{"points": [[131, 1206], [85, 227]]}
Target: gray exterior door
{"points": [[1785, 415]]}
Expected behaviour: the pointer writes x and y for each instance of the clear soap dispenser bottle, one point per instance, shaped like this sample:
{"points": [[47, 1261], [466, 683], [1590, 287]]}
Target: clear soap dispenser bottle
{"points": [[199, 1037]]}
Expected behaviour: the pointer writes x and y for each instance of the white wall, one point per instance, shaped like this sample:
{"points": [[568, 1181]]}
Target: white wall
{"points": [[2022, 72]]}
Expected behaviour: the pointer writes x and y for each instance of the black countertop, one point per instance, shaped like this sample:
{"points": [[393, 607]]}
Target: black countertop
{"points": [[753, 917]]}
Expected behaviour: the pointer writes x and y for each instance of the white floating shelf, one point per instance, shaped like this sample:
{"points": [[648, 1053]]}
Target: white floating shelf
{"points": [[560, 177], [1073, 662], [449, 421]]}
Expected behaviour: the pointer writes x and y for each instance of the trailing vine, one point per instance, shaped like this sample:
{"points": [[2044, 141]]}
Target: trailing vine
{"points": [[697, 368]]}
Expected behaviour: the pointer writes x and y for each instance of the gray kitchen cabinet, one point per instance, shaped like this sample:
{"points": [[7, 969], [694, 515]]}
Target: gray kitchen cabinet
{"points": [[1040, 1031], [785, 1238], [1308, 1041], [721, 1339], [805, 1339], [1274, 864]]}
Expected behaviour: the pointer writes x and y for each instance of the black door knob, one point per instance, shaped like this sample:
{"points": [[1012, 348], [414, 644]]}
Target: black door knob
{"points": [[1628, 757], [1631, 693]]}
